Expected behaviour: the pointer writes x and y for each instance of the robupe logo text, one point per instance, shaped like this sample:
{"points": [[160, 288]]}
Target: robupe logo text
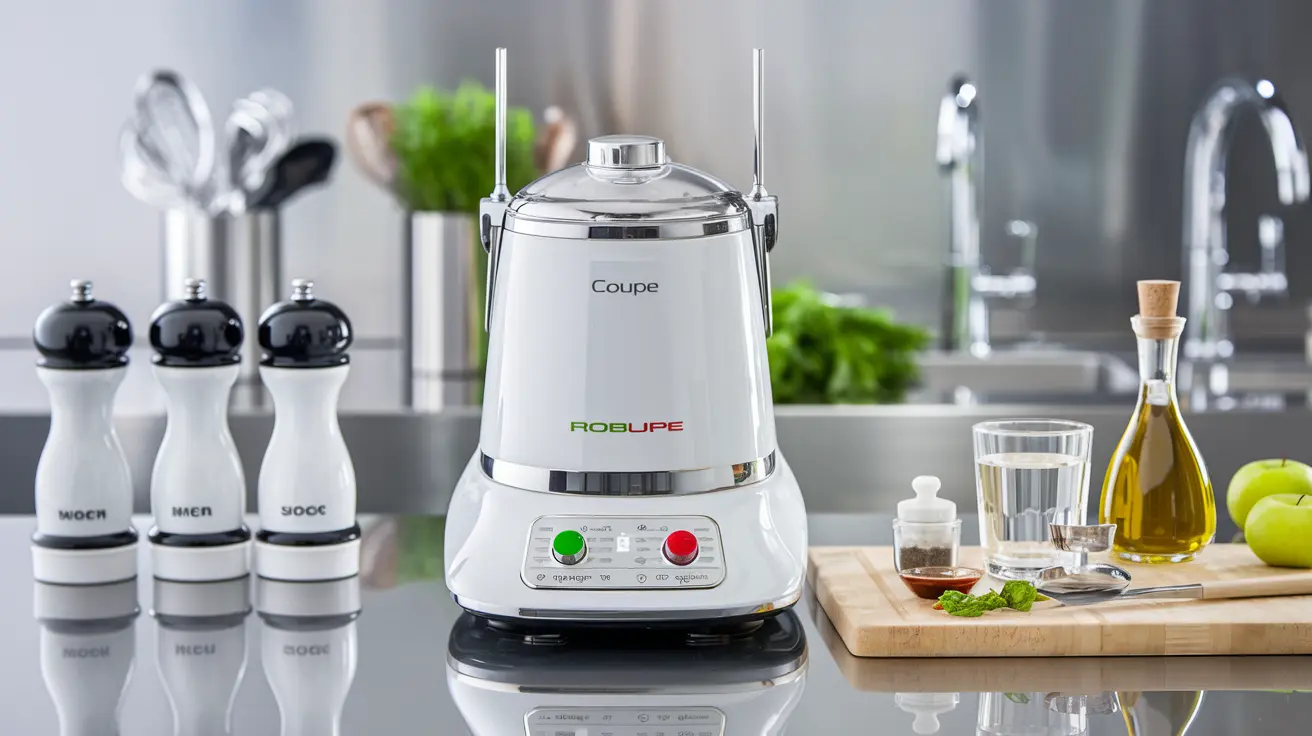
{"points": [[636, 428]]}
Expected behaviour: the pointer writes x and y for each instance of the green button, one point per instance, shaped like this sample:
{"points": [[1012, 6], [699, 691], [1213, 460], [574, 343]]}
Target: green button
{"points": [[567, 543]]}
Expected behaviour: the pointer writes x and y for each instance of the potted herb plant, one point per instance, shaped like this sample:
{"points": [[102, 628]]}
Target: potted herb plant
{"points": [[442, 145]]}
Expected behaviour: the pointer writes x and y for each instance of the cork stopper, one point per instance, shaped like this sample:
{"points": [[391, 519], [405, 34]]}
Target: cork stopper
{"points": [[1157, 304], [1158, 298]]}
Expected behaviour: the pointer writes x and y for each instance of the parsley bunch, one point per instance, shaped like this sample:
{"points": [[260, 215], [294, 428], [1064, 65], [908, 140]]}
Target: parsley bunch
{"points": [[824, 353]]}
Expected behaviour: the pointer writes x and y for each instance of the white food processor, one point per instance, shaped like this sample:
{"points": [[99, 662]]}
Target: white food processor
{"points": [[615, 685], [627, 470]]}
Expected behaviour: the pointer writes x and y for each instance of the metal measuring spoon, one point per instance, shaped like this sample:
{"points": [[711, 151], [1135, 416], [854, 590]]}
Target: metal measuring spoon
{"points": [[1084, 582]]}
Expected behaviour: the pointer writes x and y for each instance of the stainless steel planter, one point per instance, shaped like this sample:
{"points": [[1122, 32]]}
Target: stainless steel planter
{"points": [[443, 311]]}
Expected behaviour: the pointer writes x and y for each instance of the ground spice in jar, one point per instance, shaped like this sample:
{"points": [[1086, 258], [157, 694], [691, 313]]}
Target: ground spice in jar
{"points": [[915, 556]]}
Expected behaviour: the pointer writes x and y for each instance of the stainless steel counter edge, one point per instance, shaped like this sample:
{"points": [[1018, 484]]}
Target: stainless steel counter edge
{"points": [[848, 458]]}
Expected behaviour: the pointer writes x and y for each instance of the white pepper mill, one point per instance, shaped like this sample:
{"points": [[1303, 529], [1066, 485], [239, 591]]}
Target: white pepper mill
{"points": [[84, 531], [201, 650], [309, 649], [308, 529], [88, 647], [198, 488]]}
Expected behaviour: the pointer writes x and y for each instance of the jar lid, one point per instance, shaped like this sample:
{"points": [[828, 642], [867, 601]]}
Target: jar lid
{"points": [[628, 181], [196, 332], [83, 333], [927, 707], [926, 506], [304, 332]]}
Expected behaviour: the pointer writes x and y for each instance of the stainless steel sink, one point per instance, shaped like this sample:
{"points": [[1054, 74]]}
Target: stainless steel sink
{"points": [[1027, 373], [1250, 373]]}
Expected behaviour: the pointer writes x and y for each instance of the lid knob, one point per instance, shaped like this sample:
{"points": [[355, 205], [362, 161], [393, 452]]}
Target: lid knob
{"points": [[926, 506], [302, 290], [194, 289], [926, 487], [626, 152], [81, 291]]}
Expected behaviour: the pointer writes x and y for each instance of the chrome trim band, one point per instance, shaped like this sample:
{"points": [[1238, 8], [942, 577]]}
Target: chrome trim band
{"points": [[625, 230], [601, 483], [635, 616], [487, 680]]}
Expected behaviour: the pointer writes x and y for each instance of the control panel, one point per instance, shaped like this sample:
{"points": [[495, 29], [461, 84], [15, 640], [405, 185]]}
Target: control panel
{"points": [[623, 552], [625, 722]]}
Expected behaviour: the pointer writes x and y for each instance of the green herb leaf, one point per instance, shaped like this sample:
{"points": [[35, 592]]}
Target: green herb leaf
{"points": [[1016, 594], [1020, 698], [823, 353], [444, 145], [1019, 594]]}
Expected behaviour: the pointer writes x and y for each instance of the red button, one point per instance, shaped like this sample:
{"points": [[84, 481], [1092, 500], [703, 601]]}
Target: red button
{"points": [[680, 547]]}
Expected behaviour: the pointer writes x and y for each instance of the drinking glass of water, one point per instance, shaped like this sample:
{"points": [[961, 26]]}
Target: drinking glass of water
{"points": [[1029, 473]]}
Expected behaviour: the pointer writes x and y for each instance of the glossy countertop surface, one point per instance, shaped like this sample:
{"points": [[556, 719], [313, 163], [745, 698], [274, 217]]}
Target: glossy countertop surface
{"points": [[400, 682]]}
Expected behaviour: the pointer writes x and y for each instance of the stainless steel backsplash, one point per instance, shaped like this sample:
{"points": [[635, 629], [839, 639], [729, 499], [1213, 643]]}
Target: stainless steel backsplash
{"points": [[1085, 108]]}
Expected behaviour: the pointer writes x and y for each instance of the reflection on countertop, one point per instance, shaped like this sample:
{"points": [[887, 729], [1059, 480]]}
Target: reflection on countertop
{"points": [[380, 670]]}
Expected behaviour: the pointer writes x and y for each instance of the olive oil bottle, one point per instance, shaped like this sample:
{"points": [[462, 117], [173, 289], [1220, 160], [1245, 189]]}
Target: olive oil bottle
{"points": [[1157, 491], [1159, 713]]}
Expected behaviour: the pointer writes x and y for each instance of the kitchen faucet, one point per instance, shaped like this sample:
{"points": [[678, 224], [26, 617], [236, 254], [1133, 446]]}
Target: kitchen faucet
{"points": [[970, 284], [1210, 286]]}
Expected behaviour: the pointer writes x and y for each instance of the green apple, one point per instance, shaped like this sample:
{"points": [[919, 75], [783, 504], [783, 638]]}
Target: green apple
{"points": [[1261, 478], [1279, 530]]}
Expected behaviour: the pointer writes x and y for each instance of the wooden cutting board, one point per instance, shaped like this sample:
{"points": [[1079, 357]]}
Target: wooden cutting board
{"points": [[877, 616]]}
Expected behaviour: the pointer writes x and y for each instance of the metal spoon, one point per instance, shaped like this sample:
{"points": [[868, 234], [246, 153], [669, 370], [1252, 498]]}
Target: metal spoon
{"points": [[258, 131], [141, 177], [305, 164], [1101, 583]]}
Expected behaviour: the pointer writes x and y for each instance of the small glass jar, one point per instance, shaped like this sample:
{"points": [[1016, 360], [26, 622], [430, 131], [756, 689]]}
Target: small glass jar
{"points": [[920, 544]]}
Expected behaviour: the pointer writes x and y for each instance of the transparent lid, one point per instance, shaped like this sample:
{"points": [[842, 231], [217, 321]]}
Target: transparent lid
{"points": [[627, 178], [926, 506]]}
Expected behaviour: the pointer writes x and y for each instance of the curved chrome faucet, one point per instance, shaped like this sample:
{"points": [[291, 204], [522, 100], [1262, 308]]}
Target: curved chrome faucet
{"points": [[1210, 287], [959, 152]]}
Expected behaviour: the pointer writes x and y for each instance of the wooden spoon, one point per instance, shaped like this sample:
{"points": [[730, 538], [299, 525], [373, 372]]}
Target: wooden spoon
{"points": [[368, 142], [556, 142]]}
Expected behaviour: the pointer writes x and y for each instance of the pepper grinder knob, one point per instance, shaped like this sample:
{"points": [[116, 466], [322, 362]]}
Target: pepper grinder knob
{"points": [[1082, 539]]}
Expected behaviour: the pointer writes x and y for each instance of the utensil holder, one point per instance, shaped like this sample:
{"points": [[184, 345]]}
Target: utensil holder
{"points": [[442, 311], [195, 246], [240, 259]]}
